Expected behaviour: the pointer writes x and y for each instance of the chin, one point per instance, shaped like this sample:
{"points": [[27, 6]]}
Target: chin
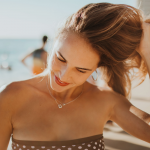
{"points": [[57, 87]]}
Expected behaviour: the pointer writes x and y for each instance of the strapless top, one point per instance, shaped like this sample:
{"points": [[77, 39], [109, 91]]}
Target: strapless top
{"points": [[94, 142]]}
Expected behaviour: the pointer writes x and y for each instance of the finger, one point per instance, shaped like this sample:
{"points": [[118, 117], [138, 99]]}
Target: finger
{"points": [[147, 20]]}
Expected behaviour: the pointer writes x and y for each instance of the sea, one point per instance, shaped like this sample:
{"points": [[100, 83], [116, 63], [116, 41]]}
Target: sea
{"points": [[11, 53]]}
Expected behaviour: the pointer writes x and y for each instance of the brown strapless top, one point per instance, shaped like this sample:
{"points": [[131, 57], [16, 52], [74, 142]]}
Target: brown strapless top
{"points": [[94, 142]]}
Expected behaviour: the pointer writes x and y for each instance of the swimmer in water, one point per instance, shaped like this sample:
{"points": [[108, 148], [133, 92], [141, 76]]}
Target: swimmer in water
{"points": [[39, 58]]}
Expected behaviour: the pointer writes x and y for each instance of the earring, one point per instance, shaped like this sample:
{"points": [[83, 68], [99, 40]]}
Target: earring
{"points": [[96, 76]]}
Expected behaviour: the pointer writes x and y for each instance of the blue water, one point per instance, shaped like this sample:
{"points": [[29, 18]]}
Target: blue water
{"points": [[11, 52]]}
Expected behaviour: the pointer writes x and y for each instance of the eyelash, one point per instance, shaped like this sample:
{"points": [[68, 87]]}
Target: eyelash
{"points": [[61, 60], [65, 61]]}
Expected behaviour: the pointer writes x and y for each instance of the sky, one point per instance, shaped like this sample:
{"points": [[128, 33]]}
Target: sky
{"points": [[31, 19]]}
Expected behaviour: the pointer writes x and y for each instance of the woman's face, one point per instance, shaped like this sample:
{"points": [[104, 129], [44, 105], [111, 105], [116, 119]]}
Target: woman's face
{"points": [[72, 61]]}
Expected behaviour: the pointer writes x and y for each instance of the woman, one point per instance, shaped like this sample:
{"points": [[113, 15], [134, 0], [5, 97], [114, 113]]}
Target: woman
{"points": [[59, 109]]}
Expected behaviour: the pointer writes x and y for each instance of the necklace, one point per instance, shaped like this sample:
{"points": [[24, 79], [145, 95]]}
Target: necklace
{"points": [[62, 104]]}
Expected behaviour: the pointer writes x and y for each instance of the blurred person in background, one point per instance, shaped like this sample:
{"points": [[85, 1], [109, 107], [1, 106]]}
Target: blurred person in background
{"points": [[39, 58], [59, 109]]}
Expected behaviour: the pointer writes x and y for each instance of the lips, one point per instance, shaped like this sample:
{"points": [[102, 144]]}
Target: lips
{"points": [[59, 82]]}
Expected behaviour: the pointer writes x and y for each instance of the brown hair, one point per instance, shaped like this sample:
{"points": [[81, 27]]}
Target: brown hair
{"points": [[114, 31]]}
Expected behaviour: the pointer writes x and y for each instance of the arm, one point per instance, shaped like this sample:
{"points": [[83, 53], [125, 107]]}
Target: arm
{"points": [[6, 128], [133, 120], [24, 58]]}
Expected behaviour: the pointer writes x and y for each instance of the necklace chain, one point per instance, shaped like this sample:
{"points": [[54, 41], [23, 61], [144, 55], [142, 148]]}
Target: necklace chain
{"points": [[62, 104]]}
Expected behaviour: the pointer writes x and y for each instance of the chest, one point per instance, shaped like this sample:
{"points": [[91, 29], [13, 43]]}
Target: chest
{"points": [[44, 120]]}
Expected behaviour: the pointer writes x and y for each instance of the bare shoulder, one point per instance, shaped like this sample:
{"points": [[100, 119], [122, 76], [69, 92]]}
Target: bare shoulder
{"points": [[105, 94], [117, 104], [110, 96], [9, 95], [109, 99], [8, 91], [13, 97], [13, 88], [16, 92], [105, 101], [11, 92]]}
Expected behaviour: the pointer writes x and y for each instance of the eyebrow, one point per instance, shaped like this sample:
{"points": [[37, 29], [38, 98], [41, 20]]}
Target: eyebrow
{"points": [[76, 67]]}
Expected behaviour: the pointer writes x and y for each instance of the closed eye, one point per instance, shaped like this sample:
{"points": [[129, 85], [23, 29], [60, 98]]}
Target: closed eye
{"points": [[61, 59], [65, 61], [81, 71]]}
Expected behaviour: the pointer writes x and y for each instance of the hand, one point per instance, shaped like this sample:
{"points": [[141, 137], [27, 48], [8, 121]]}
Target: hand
{"points": [[144, 48]]}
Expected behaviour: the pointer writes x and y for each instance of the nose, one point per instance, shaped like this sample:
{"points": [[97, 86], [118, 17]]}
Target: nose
{"points": [[65, 74]]}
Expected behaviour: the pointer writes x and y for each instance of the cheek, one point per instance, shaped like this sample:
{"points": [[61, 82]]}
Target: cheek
{"points": [[80, 78], [54, 64]]}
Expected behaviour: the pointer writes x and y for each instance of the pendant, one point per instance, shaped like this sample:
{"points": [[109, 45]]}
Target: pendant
{"points": [[59, 105]]}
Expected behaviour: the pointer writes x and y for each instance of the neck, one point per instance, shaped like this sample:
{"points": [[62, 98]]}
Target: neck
{"points": [[67, 95]]}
